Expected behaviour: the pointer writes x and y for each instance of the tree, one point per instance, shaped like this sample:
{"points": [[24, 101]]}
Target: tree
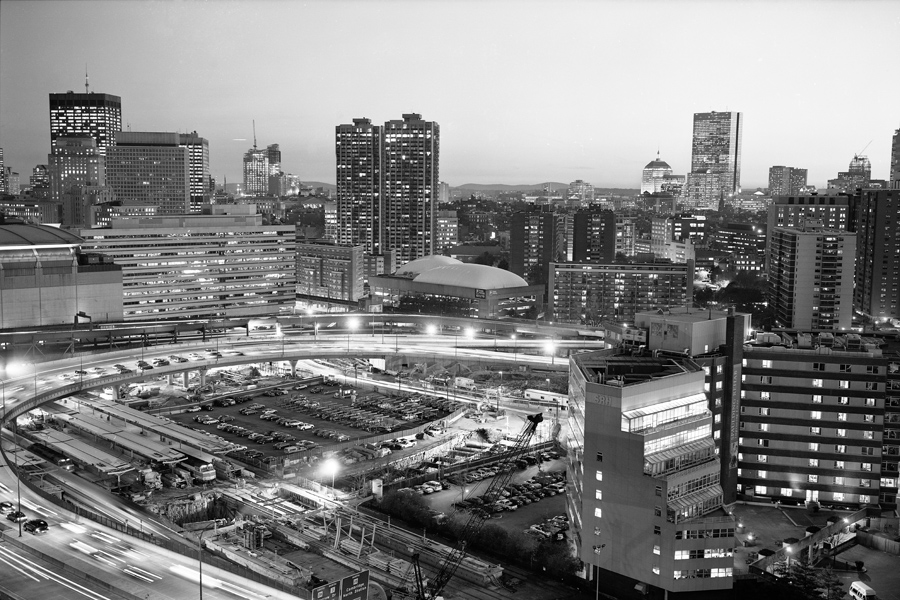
{"points": [[804, 578], [830, 586]]}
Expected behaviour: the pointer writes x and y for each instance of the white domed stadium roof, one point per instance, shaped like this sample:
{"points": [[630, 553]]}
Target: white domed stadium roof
{"points": [[420, 265], [471, 276]]}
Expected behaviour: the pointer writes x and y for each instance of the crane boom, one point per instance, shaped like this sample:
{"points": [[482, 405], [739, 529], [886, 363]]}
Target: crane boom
{"points": [[477, 518]]}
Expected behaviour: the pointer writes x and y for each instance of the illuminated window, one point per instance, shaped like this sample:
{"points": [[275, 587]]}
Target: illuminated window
{"points": [[817, 383], [598, 512], [599, 475], [598, 494]]}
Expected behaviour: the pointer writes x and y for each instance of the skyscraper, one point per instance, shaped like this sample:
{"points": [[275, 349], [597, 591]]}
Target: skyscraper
{"points": [[4, 186], [96, 115], [895, 161], [715, 159], [256, 171], [277, 183], [786, 181], [72, 163], [410, 179], [534, 243], [198, 158], [358, 153], [594, 236], [654, 174], [151, 168], [877, 291]]}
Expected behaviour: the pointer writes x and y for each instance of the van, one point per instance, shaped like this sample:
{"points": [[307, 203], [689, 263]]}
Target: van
{"points": [[860, 591], [291, 449]]}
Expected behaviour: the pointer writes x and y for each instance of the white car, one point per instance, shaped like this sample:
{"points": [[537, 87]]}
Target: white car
{"points": [[195, 356]]}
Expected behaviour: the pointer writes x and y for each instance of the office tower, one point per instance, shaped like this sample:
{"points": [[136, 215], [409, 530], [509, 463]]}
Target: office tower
{"points": [[277, 184], [12, 181], [358, 153], [444, 193], [198, 157], [616, 292], [895, 161], [810, 276], [151, 168], [594, 236], [715, 159], [446, 231], [580, 191], [40, 177], [74, 162], [256, 172], [646, 496], [739, 238], [812, 420], [857, 176], [534, 243], [172, 266], [329, 272], [658, 177], [4, 185], [90, 114], [877, 291], [786, 181], [410, 176]]}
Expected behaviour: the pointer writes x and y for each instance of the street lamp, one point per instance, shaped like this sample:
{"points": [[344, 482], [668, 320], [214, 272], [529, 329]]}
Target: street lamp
{"points": [[499, 391], [597, 550], [351, 327], [331, 467], [515, 349], [551, 350], [430, 329], [787, 553]]}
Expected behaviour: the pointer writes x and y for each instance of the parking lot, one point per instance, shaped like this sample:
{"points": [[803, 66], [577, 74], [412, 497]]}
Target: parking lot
{"points": [[291, 420], [523, 517]]}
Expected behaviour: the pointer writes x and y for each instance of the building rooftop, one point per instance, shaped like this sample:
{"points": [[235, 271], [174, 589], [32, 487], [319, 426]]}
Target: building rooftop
{"points": [[16, 234], [420, 265], [622, 370], [657, 164], [471, 276]]}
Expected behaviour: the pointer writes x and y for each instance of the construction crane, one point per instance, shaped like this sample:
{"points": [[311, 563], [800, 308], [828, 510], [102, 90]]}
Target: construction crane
{"points": [[432, 589]]}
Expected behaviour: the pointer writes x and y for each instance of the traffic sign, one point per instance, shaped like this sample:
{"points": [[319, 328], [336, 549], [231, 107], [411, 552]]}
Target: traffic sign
{"points": [[329, 591], [355, 587]]}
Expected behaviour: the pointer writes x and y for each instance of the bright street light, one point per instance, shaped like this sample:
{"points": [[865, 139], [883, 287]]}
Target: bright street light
{"points": [[430, 329], [551, 350], [352, 324], [331, 467]]}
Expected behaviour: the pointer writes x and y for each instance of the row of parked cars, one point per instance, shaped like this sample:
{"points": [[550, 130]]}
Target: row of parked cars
{"points": [[515, 495], [429, 487], [349, 416]]}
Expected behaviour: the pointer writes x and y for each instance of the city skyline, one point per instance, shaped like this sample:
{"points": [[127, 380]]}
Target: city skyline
{"points": [[547, 92]]}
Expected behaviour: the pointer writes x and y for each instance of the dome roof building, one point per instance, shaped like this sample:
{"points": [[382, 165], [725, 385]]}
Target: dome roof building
{"points": [[420, 265], [445, 286], [654, 174]]}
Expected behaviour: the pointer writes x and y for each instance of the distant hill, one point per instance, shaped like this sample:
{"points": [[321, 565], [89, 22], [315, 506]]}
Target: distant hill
{"points": [[503, 187], [537, 187], [319, 184]]}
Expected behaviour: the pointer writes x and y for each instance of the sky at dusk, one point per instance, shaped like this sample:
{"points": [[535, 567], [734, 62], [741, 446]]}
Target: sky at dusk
{"points": [[524, 91]]}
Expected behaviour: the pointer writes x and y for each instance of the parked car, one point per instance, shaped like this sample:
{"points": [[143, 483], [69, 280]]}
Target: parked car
{"points": [[6, 506], [178, 359]]}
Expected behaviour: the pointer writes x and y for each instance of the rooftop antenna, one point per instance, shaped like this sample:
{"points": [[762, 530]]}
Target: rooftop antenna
{"points": [[86, 90], [254, 134], [864, 149]]}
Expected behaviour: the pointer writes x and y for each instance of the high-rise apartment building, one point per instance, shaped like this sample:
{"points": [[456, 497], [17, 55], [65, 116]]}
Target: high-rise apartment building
{"points": [[151, 168], [786, 181], [256, 172], [810, 276], [198, 158], [98, 116], [358, 154], [330, 272], [594, 236], [895, 161], [4, 185], [626, 234], [715, 159], [446, 231], [224, 264], [534, 242], [645, 499], [580, 191], [410, 177], [812, 419], [277, 182], [616, 292], [834, 211], [877, 291]]}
